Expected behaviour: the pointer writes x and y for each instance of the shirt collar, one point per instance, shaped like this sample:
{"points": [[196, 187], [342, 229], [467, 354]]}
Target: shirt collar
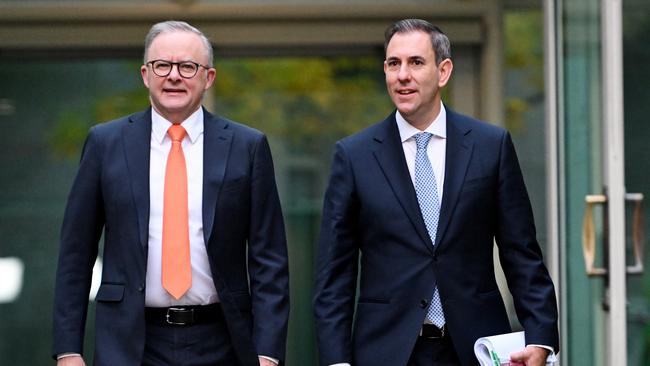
{"points": [[193, 125], [438, 127]]}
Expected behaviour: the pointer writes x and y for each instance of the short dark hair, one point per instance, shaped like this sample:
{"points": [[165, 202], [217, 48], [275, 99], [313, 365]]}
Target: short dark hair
{"points": [[439, 40]]}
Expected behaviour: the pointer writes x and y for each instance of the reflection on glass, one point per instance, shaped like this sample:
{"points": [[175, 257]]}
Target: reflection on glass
{"points": [[11, 273], [636, 78]]}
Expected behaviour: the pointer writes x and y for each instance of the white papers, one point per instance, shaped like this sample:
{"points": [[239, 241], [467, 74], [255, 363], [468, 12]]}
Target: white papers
{"points": [[496, 350]]}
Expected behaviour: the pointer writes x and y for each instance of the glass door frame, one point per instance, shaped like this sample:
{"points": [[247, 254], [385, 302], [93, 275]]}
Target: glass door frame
{"points": [[613, 163]]}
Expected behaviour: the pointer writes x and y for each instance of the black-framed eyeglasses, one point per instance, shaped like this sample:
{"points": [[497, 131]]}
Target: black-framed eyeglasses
{"points": [[186, 69]]}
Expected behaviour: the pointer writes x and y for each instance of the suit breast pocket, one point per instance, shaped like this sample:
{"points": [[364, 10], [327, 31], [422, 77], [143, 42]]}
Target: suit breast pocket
{"points": [[479, 184]]}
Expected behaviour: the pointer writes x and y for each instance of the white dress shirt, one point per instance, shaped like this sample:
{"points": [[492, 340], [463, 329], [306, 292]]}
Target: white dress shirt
{"points": [[202, 291], [436, 150]]}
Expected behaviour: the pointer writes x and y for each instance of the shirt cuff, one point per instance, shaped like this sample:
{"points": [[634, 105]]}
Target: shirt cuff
{"points": [[67, 354], [274, 360], [542, 346], [340, 364]]}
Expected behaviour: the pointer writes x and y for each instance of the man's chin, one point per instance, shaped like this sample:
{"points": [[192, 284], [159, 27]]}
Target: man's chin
{"points": [[175, 107], [405, 110]]}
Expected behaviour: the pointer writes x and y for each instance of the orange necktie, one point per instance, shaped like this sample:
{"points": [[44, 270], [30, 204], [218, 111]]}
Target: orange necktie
{"points": [[176, 270]]}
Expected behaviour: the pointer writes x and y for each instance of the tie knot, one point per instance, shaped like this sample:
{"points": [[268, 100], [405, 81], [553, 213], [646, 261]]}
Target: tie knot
{"points": [[176, 132], [422, 140]]}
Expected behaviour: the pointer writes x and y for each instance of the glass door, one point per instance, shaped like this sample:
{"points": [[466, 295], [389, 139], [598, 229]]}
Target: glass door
{"points": [[583, 306], [604, 165]]}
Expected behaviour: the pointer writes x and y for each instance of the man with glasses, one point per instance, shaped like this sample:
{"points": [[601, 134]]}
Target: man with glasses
{"points": [[194, 260]]}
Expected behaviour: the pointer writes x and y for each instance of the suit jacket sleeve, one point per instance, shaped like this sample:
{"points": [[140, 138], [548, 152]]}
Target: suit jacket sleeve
{"points": [[267, 257], [336, 277], [521, 258], [82, 227]]}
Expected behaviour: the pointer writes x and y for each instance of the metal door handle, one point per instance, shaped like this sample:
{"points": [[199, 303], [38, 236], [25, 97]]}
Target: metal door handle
{"points": [[589, 234]]}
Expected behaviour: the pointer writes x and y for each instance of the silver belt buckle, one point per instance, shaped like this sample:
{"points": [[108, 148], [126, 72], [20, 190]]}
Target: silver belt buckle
{"points": [[177, 310], [442, 332]]}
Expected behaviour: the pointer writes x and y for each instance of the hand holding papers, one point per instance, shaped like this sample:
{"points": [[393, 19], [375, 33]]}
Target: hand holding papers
{"points": [[496, 350]]}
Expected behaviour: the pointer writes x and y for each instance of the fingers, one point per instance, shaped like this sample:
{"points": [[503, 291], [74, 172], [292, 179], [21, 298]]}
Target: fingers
{"points": [[529, 356]]}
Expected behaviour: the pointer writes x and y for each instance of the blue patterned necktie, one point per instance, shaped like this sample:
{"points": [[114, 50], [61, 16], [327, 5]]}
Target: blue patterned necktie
{"points": [[427, 193]]}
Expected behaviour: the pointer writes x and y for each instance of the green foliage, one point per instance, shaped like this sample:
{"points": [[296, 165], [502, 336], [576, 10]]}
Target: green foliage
{"points": [[68, 134], [303, 101], [307, 103], [72, 125], [524, 43], [524, 64], [114, 106]]}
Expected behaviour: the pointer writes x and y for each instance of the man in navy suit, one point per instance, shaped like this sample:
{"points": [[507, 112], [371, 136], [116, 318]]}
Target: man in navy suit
{"points": [[233, 309], [413, 208]]}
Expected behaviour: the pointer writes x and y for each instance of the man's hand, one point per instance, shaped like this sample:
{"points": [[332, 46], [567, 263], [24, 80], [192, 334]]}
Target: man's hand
{"points": [[71, 361], [529, 356], [265, 362]]}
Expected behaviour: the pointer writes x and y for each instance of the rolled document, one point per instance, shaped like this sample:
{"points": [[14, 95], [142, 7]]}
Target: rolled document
{"points": [[495, 350]]}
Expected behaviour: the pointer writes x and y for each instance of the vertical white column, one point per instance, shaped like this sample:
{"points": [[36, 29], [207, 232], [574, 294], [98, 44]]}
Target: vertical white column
{"points": [[612, 102], [556, 248]]}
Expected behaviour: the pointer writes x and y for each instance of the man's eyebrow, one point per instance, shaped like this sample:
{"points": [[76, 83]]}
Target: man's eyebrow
{"points": [[414, 57]]}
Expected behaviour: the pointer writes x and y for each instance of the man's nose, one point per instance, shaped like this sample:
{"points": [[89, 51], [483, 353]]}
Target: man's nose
{"points": [[174, 73], [404, 73]]}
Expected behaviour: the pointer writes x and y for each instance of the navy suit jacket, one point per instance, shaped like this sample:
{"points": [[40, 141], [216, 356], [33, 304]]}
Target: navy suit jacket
{"points": [[371, 219], [242, 224]]}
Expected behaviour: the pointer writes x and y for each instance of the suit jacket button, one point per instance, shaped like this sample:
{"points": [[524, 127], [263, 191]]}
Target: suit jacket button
{"points": [[141, 288], [423, 303]]}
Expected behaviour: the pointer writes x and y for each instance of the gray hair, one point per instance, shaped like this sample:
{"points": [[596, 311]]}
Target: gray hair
{"points": [[176, 26], [439, 41]]}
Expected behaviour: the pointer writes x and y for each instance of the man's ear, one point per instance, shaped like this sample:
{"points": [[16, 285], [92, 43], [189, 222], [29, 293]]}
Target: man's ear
{"points": [[444, 69], [143, 73], [212, 75]]}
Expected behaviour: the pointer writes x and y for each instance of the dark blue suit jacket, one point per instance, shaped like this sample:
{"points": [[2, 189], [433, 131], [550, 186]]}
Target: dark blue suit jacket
{"points": [[242, 224], [371, 218]]}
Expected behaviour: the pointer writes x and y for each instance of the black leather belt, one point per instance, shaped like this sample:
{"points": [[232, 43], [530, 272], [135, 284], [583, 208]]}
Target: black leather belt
{"points": [[433, 332], [184, 315]]}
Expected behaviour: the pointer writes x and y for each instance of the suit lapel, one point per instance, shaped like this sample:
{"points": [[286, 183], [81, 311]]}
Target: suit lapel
{"points": [[458, 154], [217, 139], [137, 143], [390, 155]]}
